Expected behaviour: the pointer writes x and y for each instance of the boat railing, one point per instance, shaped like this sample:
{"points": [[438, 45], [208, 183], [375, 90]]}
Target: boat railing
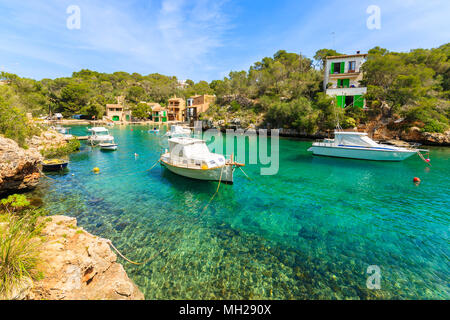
{"points": [[320, 143], [186, 163]]}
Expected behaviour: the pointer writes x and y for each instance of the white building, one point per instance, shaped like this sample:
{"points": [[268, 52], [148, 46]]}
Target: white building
{"points": [[342, 79]]}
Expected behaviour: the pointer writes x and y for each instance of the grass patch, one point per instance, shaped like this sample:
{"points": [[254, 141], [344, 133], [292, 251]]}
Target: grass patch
{"points": [[19, 242]]}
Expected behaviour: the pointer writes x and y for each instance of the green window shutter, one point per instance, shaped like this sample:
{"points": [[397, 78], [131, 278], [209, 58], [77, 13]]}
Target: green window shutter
{"points": [[342, 67], [339, 83], [340, 101], [358, 101], [332, 67], [346, 83]]}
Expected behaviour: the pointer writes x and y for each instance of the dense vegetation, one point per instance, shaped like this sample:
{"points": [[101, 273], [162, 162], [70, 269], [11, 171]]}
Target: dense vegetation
{"points": [[19, 241], [71, 146], [280, 91]]}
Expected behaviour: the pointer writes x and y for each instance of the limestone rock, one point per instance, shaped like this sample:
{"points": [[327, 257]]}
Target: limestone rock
{"points": [[79, 266], [18, 167]]}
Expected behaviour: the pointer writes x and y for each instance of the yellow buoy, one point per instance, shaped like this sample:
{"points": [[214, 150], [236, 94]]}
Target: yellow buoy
{"points": [[204, 166], [96, 170]]}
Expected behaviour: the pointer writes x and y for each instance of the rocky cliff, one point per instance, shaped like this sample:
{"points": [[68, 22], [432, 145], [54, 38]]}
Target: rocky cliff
{"points": [[79, 266], [19, 168]]}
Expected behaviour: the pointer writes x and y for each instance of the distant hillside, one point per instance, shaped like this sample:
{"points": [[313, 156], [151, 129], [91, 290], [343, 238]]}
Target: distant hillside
{"points": [[284, 91]]}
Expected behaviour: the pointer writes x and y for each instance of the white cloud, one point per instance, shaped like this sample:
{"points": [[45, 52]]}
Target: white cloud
{"points": [[174, 37]]}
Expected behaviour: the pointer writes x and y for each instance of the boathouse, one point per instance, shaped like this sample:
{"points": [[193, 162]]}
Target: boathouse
{"points": [[342, 79]]}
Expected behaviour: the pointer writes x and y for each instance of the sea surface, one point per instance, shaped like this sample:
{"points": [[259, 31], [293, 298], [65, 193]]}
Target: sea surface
{"points": [[311, 231]]}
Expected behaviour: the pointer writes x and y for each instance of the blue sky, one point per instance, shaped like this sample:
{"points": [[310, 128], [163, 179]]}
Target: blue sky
{"points": [[201, 39]]}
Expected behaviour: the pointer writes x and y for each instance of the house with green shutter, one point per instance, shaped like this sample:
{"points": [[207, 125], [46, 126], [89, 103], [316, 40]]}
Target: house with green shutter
{"points": [[342, 79]]}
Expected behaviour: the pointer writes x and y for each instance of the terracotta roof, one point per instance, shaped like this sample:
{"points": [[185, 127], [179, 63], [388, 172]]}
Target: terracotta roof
{"points": [[347, 56], [157, 108], [114, 106]]}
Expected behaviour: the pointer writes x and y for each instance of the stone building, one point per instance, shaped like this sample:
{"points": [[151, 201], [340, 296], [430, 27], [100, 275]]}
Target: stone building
{"points": [[198, 104], [342, 79], [176, 109]]}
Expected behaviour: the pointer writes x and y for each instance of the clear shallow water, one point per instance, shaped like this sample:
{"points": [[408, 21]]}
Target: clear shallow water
{"points": [[309, 232]]}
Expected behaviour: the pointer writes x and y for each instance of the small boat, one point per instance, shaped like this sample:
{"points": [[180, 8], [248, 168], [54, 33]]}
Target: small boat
{"points": [[108, 145], [54, 164], [190, 157], [99, 135], [357, 145]]}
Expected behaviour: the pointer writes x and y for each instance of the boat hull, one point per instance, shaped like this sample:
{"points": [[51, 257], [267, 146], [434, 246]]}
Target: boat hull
{"points": [[203, 174], [54, 167], [108, 148], [360, 153]]}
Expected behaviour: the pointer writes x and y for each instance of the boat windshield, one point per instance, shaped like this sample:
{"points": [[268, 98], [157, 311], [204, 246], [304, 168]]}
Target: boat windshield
{"points": [[355, 140], [101, 133]]}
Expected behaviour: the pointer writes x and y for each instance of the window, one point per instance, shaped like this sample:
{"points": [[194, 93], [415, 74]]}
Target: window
{"points": [[348, 100], [337, 67], [343, 83], [351, 66]]}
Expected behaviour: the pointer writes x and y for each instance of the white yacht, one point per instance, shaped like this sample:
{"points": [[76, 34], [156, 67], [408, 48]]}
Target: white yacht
{"points": [[357, 145], [98, 135], [191, 158]]}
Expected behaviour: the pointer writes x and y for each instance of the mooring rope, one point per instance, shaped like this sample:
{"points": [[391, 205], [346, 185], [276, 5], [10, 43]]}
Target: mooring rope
{"points": [[245, 174], [44, 175], [217, 190], [133, 262], [153, 165], [421, 156]]}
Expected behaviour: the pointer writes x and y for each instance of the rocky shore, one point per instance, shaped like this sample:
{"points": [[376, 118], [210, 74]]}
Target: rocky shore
{"points": [[75, 265], [79, 266], [19, 168]]}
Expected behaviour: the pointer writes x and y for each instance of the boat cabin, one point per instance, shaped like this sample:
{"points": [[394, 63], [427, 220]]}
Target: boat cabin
{"points": [[193, 152], [99, 131], [354, 139]]}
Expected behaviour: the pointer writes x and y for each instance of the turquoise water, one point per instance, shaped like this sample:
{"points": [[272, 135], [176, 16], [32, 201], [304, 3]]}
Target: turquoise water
{"points": [[308, 232]]}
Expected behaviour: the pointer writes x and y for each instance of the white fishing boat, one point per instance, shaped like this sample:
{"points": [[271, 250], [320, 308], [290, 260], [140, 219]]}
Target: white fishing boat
{"points": [[99, 135], [357, 145], [190, 157]]}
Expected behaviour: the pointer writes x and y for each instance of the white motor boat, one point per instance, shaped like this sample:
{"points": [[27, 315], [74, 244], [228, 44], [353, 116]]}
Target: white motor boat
{"points": [[357, 145], [99, 135], [190, 157], [108, 145]]}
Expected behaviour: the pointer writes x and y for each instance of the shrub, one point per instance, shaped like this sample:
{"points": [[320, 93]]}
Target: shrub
{"points": [[70, 147], [19, 242]]}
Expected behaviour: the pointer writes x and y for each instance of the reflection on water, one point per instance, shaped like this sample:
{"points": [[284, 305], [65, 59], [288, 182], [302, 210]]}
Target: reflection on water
{"points": [[309, 232]]}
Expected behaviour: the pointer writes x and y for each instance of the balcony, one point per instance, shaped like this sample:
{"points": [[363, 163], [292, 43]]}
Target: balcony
{"points": [[349, 73], [335, 91]]}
